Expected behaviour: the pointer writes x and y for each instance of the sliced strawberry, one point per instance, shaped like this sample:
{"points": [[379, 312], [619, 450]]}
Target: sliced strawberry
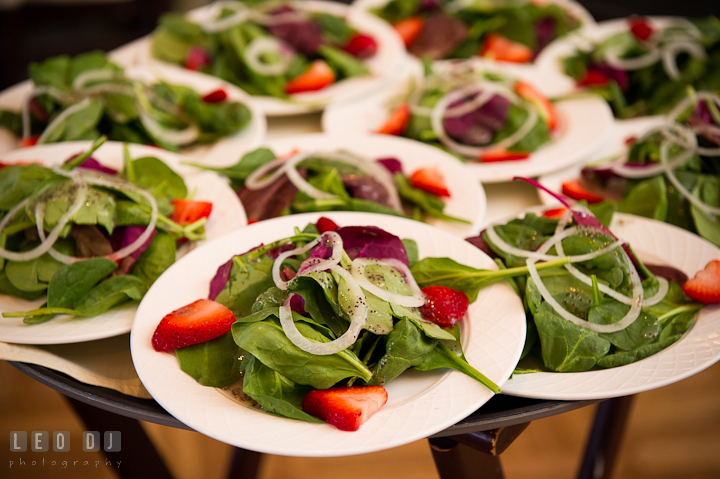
{"points": [[345, 408], [544, 106], [495, 155], [555, 213], [630, 140], [325, 224], [593, 78], [431, 180], [318, 76], [189, 211], [197, 58], [29, 141], [397, 122], [497, 47], [705, 286], [361, 46], [640, 28], [575, 190], [444, 306], [409, 29], [216, 96], [195, 323]]}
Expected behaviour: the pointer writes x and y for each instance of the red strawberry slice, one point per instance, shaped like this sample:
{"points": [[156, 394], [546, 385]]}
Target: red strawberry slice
{"points": [[640, 28], [189, 211], [345, 408], [29, 141], [397, 121], [575, 190], [197, 58], [593, 78], [409, 29], [195, 323], [499, 48], [325, 224], [318, 76], [444, 306], [544, 106], [494, 155], [705, 286], [216, 96], [430, 179], [555, 213], [361, 46]]}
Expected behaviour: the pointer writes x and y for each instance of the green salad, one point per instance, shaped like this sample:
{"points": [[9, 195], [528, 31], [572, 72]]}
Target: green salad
{"points": [[87, 237], [266, 48], [84, 97], [647, 66]]}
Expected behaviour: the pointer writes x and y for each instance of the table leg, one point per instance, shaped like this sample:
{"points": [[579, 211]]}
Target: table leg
{"points": [[137, 456], [245, 464], [605, 438]]}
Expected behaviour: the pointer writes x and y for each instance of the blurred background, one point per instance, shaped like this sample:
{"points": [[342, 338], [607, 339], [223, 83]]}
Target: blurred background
{"points": [[32, 30]]}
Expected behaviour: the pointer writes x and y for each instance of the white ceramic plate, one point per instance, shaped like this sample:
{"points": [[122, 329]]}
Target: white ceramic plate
{"points": [[250, 137], [616, 145], [227, 215], [383, 65], [419, 404], [467, 197], [549, 62], [584, 123], [698, 349]]}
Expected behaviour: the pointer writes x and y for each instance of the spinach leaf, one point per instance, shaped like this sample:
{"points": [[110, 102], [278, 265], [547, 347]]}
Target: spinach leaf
{"points": [[248, 279], [74, 280], [34, 275], [19, 182], [6, 287], [12, 121], [110, 293], [214, 363], [708, 190], [274, 392], [158, 257], [567, 347], [267, 342], [52, 72], [239, 171], [153, 175], [79, 125], [627, 357], [346, 64], [648, 198], [641, 332]]}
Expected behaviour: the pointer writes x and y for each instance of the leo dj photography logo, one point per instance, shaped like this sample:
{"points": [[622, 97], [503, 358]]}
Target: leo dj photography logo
{"points": [[42, 441]]}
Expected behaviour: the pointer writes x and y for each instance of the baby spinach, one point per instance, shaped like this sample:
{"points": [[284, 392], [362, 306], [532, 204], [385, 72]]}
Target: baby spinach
{"points": [[71, 281], [214, 363], [158, 257], [109, 293], [248, 279]]}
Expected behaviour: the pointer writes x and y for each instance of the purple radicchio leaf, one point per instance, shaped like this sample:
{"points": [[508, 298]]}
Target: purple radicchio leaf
{"points": [[372, 242], [222, 275], [620, 76], [297, 304], [304, 36], [124, 236], [478, 126], [323, 250], [393, 165], [92, 164], [480, 243], [544, 33], [366, 188]]}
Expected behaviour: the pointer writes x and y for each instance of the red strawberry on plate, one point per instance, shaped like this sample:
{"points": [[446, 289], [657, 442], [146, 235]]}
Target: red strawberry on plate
{"points": [[325, 224], [189, 211], [345, 408], [318, 76], [575, 190], [430, 179], [444, 306], [705, 286], [397, 122], [195, 323], [361, 46]]}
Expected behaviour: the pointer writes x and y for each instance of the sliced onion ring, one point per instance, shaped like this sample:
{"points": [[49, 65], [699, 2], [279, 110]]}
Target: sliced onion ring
{"points": [[261, 45], [358, 272]]}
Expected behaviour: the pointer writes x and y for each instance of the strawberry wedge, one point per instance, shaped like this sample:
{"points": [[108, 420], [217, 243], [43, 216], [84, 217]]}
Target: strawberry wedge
{"points": [[430, 179], [497, 47], [318, 76], [189, 211], [397, 121], [575, 190], [345, 408], [444, 306], [409, 29], [544, 106], [705, 286], [195, 323], [494, 156]]}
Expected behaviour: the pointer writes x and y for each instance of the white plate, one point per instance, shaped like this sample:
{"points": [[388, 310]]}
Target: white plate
{"points": [[419, 404], [467, 197], [616, 144], [250, 137], [227, 215], [549, 62], [584, 123], [383, 65], [698, 349]]}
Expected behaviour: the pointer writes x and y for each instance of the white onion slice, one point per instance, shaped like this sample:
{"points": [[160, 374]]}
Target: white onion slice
{"points": [[358, 272], [61, 118], [480, 99], [283, 256], [312, 265], [46, 243], [254, 181], [650, 58], [213, 24], [707, 209], [59, 95], [261, 45], [358, 319], [663, 289], [296, 179], [671, 50], [101, 74], [122, 252], [177, 137]]}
